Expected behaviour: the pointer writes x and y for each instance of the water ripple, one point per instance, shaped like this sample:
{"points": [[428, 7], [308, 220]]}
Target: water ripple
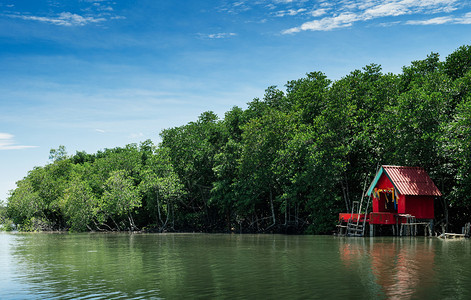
{"points": [[169, 266]]}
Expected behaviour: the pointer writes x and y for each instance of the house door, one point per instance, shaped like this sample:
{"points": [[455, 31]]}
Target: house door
{"points": [[387, 200]]}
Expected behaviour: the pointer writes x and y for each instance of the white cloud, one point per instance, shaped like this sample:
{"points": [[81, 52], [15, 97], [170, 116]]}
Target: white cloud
{"points": [[220, 35], [466, 19], [87, 12], [386, 10], [118, 18], [289, 12], [5, 136], [7, 142], [235, 7], [63, 19], [389, 24], [433, 21], [100, 130], [325, 24], [318, 12], [349, 12]]}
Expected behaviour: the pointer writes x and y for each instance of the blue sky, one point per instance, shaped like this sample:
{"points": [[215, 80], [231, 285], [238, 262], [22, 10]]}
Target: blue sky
{"points": [[95, 74]]}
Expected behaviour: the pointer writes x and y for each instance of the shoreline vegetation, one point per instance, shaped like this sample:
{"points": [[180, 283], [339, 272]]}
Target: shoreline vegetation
{"points": [[288, 163]]}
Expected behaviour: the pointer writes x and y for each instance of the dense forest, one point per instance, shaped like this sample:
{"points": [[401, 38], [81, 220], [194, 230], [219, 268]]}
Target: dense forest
{"points": [[289, 162]]}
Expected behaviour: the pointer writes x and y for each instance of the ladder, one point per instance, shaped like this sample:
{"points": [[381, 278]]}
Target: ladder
{"points": [[366, 214], [355, 227], [352, 228]]}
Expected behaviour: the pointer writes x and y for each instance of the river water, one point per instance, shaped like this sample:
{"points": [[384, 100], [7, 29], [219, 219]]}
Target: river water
{"points": [[225, 266]]}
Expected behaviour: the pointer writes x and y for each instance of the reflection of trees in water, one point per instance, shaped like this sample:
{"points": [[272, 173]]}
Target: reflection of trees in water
{"points": [[455, 267], [172, 266], [402, 268], [73, 266], [185, 266]]}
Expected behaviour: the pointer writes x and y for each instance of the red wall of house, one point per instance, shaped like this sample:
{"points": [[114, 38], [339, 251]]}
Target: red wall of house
{"points": [[401, 205], [419, 206]]}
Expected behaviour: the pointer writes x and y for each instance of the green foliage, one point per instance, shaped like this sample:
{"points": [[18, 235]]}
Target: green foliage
{"points": [[457, 144], [79, 205], [458, 63], [306, 95], [58, 154], [6, 224], [35, 224], [120, 197], [25, 202], [289, 162], [161, 188]]}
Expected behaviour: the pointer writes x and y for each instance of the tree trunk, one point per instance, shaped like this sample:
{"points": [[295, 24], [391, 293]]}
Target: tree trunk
{"points": [[272, 210], [256, 220], [159, 221], [116, 224], [166, 219], [286, 213], [131, 222], [345, 196], [445, 207], [173, 217], [131, 225]]}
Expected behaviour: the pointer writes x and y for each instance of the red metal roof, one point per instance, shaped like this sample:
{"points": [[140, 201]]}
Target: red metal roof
{"points": [[411, 181]]}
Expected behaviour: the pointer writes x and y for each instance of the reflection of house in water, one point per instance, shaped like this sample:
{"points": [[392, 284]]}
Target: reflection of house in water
{"points": [[402, 197], [401, 269]]}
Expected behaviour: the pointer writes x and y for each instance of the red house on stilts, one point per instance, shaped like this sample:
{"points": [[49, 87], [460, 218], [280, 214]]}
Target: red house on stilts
{"points": [[402, 197]]}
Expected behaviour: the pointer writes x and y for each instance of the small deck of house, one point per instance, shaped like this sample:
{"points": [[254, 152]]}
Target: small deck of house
{"points": [[400, 224], [377, 218]]}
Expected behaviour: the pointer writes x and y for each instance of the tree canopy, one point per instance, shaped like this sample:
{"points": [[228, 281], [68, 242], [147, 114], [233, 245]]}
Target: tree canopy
{"points": [[289, 162]]}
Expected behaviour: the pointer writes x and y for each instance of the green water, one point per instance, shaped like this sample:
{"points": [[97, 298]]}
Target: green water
{"points": [[208, 266]]}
